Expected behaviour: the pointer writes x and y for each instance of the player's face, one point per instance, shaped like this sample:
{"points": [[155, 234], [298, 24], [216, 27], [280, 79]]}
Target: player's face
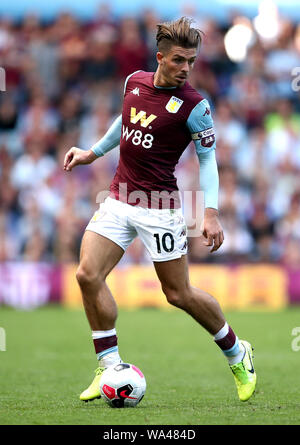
{"points": [[175, 66]]}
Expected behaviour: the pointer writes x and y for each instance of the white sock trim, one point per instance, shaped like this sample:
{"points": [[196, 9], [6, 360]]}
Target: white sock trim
{"points": [[103, 334], [222, 332]]}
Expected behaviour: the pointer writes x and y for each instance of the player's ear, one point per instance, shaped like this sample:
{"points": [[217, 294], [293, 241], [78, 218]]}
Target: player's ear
{"points": [[159, 57]]}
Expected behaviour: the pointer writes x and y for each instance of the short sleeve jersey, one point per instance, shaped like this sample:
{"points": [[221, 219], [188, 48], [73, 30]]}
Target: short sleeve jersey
{"points": [[157, 126]]}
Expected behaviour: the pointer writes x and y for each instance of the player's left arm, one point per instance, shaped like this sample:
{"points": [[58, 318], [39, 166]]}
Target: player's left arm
{"points": [[200, 124]]}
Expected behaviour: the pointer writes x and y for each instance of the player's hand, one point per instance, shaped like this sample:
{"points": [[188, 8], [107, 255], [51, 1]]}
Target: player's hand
{"points": [[212, 229], [76, 156]]}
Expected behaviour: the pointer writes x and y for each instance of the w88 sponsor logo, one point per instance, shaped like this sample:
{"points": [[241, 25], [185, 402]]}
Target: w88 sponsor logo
{"points": [[137, 137]]}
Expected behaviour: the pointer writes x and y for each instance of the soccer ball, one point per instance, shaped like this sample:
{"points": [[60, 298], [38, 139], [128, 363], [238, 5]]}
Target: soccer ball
{"points": [[122, 385]]}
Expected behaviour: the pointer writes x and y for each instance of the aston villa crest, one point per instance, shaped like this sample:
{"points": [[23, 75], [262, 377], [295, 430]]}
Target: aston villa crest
{"points": [[174, 104]]}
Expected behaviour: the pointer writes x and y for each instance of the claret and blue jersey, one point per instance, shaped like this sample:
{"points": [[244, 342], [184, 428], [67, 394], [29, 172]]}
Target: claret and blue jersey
{"points": [[156, 126]]}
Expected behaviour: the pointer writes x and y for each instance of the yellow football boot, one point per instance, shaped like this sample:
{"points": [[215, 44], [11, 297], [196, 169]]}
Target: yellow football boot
{"points": [[93, 391], [244, 374]]}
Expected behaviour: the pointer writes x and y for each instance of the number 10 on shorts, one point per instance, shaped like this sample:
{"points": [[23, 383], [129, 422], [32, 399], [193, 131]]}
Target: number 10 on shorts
{"points": [[166, 242]]}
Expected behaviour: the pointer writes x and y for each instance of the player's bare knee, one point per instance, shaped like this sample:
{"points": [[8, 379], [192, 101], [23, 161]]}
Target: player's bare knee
{"points": [[173, 296], [178, 296], [87, 278]]}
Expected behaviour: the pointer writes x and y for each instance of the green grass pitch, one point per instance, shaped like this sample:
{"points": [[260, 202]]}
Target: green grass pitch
{"points": [[49, 360]]}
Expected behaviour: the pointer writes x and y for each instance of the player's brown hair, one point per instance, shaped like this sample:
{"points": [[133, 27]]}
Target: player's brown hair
{"points": [[177, 33]]}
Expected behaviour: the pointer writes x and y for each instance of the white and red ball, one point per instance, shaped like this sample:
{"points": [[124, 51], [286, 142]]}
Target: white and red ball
{"points": [[122, 385]]}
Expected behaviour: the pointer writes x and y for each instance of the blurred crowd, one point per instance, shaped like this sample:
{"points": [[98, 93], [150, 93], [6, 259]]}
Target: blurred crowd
{"points": [[64, 86]]}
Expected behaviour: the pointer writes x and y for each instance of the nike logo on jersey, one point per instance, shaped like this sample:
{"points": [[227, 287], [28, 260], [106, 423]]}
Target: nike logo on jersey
{"points": [[136, 91], [141, 116]]}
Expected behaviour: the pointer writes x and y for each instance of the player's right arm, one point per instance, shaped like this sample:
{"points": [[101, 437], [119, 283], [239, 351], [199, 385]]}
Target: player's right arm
{"points": [[76, 156]]}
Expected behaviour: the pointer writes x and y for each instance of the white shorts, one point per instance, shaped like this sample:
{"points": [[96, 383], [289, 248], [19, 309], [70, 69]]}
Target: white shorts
{"points": [[162, 231]]}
